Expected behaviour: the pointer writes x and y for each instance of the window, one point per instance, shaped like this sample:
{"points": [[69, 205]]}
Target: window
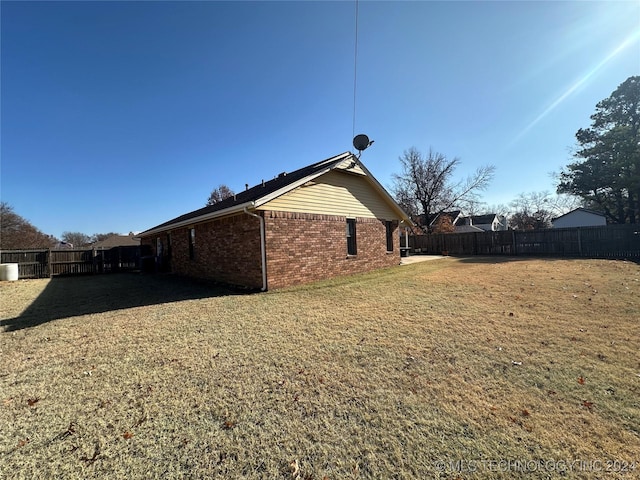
{"points": [[158, 247], [389, 226], [192, 243], [351, 236]]}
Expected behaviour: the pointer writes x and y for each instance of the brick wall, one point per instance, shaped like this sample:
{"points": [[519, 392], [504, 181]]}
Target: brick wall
{"points": [[226, 250], [302, 248]]}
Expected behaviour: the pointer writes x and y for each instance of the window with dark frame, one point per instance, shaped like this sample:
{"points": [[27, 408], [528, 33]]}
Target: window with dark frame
{"points": [[192, 243], [389, 226], [351, 237]]}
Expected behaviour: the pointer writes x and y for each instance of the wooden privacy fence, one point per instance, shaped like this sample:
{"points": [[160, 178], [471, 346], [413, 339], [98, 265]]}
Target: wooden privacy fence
{"points": [[611, 241], [43, 263]]}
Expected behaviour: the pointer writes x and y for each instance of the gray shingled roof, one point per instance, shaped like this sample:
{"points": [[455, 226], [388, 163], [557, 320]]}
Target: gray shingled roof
{"points": [[258, 193], [467, 229], [586, 210], [453, 215], [483, 219], [117, 241]]}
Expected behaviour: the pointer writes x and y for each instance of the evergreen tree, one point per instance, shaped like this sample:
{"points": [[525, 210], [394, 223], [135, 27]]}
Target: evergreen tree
{"points": [[607, 173]]}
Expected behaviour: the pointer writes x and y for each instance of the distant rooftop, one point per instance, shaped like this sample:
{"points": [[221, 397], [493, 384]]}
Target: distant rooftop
{"points": [[117, 241]]}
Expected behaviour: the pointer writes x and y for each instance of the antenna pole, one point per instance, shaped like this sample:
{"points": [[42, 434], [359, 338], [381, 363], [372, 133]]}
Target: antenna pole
{"points": [[355, 73]]}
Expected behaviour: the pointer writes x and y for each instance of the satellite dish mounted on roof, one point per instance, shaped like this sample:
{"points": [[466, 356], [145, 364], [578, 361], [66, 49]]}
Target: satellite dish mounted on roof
{"points": [[361, 142]]}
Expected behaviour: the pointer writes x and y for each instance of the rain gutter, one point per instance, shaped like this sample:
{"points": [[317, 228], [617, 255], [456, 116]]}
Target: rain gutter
{"points": [[193, 220], [263, 248]]}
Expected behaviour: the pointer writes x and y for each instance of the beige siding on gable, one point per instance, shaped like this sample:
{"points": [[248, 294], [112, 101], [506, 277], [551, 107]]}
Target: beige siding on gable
{"points": [[335, 193], [348, 165]]}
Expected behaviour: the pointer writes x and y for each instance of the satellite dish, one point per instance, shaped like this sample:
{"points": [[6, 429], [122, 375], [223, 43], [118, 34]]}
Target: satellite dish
{"points": [[361, 142]]}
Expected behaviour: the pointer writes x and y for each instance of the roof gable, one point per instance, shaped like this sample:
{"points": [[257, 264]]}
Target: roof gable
{"points": [[268, 190], [337, 192], [580, 209], [453, 216], [483, 219]]}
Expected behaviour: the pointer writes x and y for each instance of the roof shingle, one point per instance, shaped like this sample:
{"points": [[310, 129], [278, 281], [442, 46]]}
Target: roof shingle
{"points": [[255, 193]]}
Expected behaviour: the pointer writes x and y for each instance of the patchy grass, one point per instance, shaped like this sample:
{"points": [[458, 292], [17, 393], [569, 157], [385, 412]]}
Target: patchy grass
{"points": [[456, 368]]}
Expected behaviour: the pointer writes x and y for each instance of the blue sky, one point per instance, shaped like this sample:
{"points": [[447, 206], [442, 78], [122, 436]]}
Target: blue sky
{"points": [[118, 116]]}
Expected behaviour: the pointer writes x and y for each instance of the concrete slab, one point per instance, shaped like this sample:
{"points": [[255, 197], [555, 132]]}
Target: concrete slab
{"points": [[419, 258]]}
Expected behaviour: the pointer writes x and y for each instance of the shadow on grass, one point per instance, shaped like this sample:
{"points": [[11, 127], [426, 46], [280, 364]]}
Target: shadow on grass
{"points": [[66, 297], [493, 259]]}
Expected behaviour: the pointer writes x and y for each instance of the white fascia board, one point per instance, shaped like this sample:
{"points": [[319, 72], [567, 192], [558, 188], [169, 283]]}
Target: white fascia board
{"points": [[202, 218]]}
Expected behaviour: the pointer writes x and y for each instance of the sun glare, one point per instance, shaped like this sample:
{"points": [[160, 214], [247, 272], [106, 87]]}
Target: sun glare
{"points": [[630, 40]]}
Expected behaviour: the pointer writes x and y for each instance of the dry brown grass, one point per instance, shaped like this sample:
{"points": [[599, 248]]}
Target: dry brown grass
{"points": [[435, 370]]}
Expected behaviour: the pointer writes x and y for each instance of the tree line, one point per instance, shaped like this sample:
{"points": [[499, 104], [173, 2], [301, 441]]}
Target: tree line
{"points": [[605, 175], [16, 233]]}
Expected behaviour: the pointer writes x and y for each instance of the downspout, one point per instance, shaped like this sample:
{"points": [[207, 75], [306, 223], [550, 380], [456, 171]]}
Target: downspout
{"points": [[263, 249]]}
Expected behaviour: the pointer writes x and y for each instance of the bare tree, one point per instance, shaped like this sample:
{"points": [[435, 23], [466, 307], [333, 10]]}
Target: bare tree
{"points": [[499, 209], [77, 239], [536, 210], [219, 194], [17, 233], [98, 237], [426, 186]]}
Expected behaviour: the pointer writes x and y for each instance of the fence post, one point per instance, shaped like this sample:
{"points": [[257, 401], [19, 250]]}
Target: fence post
{"points": [[513, 239], [49, 263], [579, 243]]}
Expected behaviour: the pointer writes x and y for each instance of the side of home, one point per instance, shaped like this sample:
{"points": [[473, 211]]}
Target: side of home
{"points": [[328, 219], [580, 217]]}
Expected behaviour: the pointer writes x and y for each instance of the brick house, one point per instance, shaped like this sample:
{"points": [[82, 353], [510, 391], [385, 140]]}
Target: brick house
{"points": [[328, 219]]}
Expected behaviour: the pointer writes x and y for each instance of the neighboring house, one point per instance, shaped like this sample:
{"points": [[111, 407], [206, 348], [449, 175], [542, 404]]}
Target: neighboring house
{"points": [[117, 252], [117, 241], [580, 217], [473, 223], [328, 219], [452, 217], [487, 223]]}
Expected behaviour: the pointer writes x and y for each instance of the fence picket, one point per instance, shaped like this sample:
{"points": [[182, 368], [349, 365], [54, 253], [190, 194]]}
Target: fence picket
{"points": [[611, 241], [43, 263]]}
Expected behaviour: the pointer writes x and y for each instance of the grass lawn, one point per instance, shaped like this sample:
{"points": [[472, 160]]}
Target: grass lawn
{"points": [[455, 368]]}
